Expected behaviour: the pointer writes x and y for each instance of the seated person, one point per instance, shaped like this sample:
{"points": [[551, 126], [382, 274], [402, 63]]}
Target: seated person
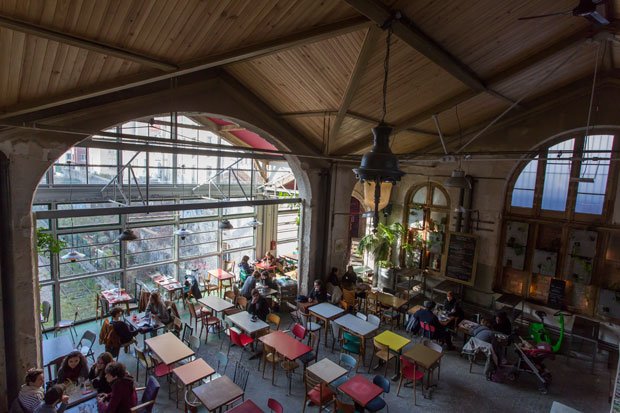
{"points": [[269, 259], [96, 375], [249, 285], [125, 332], [349, 278], [426, 315], [73, 367], [318, 293], [245, 269], [31, 393], [453, 310], [53, 396], [157, 308], [258, 306], [336, 295], [190, 285], [483, 331], [123, 395], [332, 278], [265, 280], [502, 323]]}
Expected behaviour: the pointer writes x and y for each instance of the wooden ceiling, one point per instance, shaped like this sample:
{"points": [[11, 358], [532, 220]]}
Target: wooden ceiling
{"points": [[318, 64]]}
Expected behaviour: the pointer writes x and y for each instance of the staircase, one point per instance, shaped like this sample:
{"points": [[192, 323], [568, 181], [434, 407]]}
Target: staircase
{"points": [[355, 260]]}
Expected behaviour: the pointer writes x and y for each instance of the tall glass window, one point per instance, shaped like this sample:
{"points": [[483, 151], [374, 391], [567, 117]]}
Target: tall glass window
{"points": [[557, 176], [593, 174], [523, 192]]}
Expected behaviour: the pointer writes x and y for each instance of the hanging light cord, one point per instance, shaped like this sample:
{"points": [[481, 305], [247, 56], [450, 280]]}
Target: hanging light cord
{"points": [[386, 66], [596, 59]]}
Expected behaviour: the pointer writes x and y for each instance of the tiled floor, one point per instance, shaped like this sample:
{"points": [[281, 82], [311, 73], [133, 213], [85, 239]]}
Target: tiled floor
{"points": [[457, 390]]}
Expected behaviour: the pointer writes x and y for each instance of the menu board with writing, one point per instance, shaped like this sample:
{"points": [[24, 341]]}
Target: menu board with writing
{"points": [[459, 262], [556, 294]]}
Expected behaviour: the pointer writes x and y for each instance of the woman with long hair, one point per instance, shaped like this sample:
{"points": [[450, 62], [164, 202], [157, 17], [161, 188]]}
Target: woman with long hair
{"points": [[96, 375], [73, 367]]}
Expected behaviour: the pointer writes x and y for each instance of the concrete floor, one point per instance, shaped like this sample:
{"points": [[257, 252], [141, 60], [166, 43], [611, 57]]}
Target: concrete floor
{"points": [[458, 390]]}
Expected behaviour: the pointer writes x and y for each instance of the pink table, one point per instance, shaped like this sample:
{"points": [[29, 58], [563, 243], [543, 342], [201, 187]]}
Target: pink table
{"points": [[247, 406], [361, 390]]}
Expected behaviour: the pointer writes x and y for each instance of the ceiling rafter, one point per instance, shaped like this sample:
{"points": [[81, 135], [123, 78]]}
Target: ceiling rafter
{"points": [[83, 43], [363, 57], [293, 40], [561, 45], [408, 32]]}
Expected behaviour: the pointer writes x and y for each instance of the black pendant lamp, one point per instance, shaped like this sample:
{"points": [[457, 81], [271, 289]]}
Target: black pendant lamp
{"points": [[127, 235], [380, 164]]}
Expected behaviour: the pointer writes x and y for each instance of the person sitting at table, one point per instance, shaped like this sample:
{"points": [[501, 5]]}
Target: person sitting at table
{"points": [[125, 332], [96, 375], [31, 393], [333, 279], [73, 367], [265, 280], [123, 395], [157, 308], [258, 306], [191, 288], [269, 259], [483, 331], [245, 269], [426, 315], [502, 323], [53, 396], [453, 310], [249, 285], [318, 294], [349, 278]]}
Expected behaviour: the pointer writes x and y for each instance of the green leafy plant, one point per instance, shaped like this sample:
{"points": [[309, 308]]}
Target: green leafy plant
{"points": [[46, 243], [380, 244]]}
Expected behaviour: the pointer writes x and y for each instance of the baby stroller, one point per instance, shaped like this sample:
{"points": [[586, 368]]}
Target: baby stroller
{"points": [[531, 360]]}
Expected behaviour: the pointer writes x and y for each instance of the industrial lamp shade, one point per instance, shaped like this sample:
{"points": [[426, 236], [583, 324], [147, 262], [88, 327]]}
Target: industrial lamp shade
{"points": [[380, 164], [73, 256], [254, 223], [458, 180], [127, 235], [369, 195], [225, 224], [183, 232]]}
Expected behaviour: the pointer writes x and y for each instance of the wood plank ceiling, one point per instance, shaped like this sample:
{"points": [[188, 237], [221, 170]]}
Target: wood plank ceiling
{"points": [[319, 65]]}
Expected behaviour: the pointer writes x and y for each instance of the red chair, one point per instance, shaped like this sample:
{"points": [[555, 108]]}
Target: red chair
{"points": [[299, 331], [428, 330], [409, 371], [241, 340], [275, 406]]}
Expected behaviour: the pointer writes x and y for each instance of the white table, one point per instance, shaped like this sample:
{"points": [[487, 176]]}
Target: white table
{"points": [[217, 304], [243, 320], [356, 325], [326, 312]]}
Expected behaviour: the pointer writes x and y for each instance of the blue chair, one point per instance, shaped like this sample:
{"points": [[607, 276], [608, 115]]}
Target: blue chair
{"points": [[378, 403], [348, 362], [148, 397]]}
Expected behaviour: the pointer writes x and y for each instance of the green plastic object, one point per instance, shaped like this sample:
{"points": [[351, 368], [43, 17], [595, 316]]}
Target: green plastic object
{"points": [[539, 334]]}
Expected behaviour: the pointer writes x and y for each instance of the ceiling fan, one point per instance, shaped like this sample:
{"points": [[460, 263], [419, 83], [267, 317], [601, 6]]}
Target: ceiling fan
{"points": [[585, 8]]}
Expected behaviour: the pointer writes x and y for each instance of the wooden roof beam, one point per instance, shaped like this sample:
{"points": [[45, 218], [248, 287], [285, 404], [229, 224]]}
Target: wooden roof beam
{"points": [[360, 65], [84, 43], [408, 32], [293, 40]]}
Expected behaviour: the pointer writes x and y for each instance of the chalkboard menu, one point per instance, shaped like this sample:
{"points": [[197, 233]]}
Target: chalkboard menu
{"points": [[459, 262], [556, 293]]}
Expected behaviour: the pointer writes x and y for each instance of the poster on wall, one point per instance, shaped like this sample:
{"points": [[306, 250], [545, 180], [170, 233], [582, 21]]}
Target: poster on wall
{"points": [[582, 249], [544, 262], [516, 244]]}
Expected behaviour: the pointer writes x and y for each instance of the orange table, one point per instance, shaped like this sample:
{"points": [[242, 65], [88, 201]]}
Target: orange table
{"points": [[361, 390], [221, 276], [287, 346]]}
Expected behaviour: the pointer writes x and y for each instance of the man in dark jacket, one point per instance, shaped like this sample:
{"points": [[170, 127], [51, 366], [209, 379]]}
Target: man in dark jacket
{"points": [[426, 315], [123, 396]]}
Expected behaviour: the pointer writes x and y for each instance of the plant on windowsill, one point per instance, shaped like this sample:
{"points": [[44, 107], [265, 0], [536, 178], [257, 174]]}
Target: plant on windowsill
{"points": [[47, 244]]}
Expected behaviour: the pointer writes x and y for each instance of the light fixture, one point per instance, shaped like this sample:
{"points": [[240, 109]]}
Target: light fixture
{"points": [[72, 255], [379, 170], [183, 232], [127, 235], [225, 224], [254, 223], [458, 180]]}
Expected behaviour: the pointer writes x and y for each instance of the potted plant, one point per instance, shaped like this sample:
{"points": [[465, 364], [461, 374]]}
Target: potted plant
{"points": [[380, 246]]}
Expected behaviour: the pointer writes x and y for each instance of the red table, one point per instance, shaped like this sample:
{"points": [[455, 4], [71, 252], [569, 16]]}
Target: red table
{"points": [[113, 298], [247, 406], [287, 346], [361, 390], [265, 266]]}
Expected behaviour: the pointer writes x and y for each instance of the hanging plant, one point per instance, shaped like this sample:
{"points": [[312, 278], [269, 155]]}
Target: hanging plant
{"points": [[380, 244], [46, 243]]}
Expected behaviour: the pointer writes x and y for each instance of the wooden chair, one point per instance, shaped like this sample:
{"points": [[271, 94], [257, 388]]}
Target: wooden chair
{"points": [[352, 344], [242, 303], [342, 407], [318, 392], [270, 356], [372, 303], [231, 296], [274, 321], [195, 314], [150, 364], [208, 320], [348, 296], [210, 284], [177, 326], [294, 313], [101, 309], [382, 352]]}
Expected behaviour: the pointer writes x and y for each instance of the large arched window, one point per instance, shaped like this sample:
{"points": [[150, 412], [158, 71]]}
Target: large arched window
{"points": [[558, 227], [428, 213]]}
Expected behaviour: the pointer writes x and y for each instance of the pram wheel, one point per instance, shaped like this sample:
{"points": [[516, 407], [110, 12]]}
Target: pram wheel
{"points": [[543, 390], [547, 376]]}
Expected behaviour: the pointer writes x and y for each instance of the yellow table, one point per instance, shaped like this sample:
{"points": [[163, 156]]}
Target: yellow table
{"points": [[395, 343]]}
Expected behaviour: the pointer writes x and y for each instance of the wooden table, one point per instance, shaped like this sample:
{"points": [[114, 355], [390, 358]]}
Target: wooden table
{"points": [[243, 320], [390, 300], [424, 357], [287, 346], [247, 406], [217, 393], [327, 370], [222, 276], [168, 348], [395, 343], [415, 309], [217, 304], [113, 298], [55, 349], [171, 288], [265, 266], [303, 307], [192, 372], [326, 312], [139, 321], [361, 390], [167, 283]]}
